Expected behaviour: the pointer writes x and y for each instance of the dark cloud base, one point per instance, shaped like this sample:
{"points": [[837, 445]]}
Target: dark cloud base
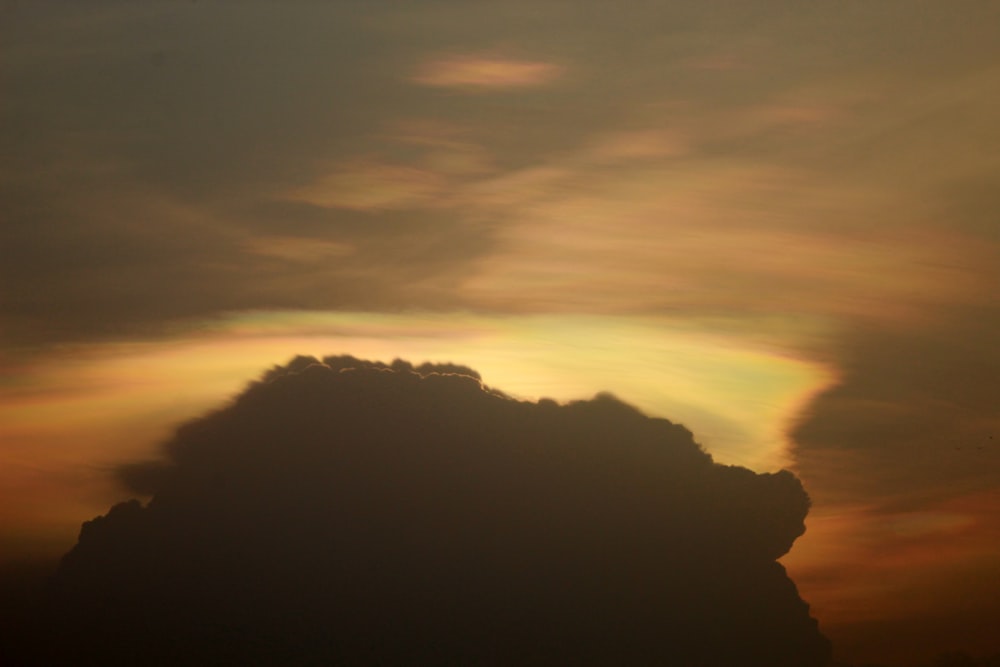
{"points": [[349, 512]]}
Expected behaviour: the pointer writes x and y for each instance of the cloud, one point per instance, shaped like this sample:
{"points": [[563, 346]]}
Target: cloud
{"points": [[916, 408], [359, 512], [140, 155], [476, 72], [901, 459], [374, 186], [296, 249]]}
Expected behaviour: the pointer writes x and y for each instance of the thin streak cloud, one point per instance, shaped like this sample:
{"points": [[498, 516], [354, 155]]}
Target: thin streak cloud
{"points": [[473, 72]]}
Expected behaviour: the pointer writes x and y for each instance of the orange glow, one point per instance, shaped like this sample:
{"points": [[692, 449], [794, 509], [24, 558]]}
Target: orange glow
{"points": [[864, 564]]}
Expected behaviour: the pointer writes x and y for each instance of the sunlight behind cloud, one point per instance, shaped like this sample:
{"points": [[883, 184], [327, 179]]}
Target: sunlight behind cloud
{"points": [[115, 402]]}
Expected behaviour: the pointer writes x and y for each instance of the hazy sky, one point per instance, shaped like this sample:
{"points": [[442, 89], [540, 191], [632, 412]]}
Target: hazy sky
{"points": [[775, 222]]}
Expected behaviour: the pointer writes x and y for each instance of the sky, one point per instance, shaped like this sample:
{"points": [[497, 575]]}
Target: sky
{"points": [[773, 222]]}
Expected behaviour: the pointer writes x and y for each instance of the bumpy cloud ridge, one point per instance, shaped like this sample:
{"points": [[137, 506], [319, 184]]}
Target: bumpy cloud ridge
{"points": [[351, 512]]}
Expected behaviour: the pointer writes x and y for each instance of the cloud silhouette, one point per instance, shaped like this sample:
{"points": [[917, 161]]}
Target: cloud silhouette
{"points": [[352, 512]]}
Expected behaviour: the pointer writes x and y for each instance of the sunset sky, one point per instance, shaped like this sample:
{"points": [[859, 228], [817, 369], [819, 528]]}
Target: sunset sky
{"points": [[775, 222]]}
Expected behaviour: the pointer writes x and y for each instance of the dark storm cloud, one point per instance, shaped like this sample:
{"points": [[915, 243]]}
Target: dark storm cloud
{"points": [[348, 511]]}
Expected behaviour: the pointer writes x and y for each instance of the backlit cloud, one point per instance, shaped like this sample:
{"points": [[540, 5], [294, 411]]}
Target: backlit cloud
{"points": [[737, 388], [357, 512]]}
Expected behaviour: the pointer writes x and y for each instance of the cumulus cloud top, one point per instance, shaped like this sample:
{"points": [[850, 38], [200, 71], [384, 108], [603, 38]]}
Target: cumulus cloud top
{"points": [[340, 510]]}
